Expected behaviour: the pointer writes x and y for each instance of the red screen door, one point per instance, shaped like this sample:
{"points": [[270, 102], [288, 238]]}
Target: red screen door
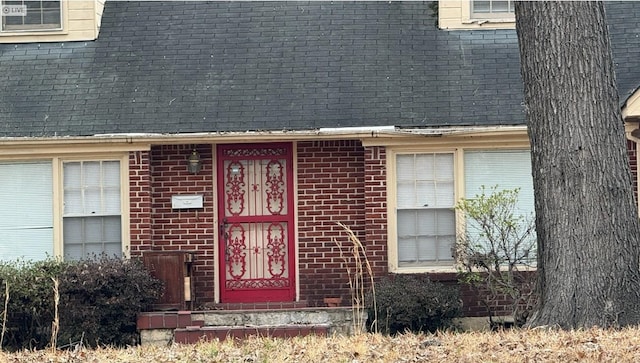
{"points": [[255, 212]]}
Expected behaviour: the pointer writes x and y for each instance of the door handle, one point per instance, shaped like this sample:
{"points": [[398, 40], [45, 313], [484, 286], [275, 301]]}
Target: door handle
{"points": [[224, 233]]}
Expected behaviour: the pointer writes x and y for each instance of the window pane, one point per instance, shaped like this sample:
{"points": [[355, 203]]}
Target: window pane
{"points": [[407, 249], [112, 201], [93, 230], [491, 7], [93, 250], [432, 185], [73, 252], [481, 6], [112, 229], [445, 194], [445, 247], [92, 187], [72, 175], [41, 15], [406, 194], [88, 236], [425, 235], [500, 6], [425, 216], [507, 169], [113, 249], [26, 211], [91, 174], [446, 221], [406, 223], [111, 173], [73, 231], [426, 224], [92, 222], [426, 194], [424, 165], [444, 167], [92, 201], [404, 168], [427, 248]]}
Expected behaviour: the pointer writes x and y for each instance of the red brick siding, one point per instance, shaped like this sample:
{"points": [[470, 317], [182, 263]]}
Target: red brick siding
{"points": [[375, 189], [189, 229], [330, 190], [471, 297], [139, 202], [338, 181]]}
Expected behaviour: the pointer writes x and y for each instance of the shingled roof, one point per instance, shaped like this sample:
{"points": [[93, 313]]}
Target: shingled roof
{"points": [[179, 67]]}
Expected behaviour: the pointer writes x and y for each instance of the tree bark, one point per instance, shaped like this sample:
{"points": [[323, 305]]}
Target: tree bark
{"points": [[586, 215]]}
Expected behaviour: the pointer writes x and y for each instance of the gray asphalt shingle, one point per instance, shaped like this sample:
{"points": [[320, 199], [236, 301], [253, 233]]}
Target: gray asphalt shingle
{"points": [[169, 67]]}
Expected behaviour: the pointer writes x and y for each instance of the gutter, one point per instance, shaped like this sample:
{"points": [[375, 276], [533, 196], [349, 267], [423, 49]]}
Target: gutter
{"points": [[257, 136]]}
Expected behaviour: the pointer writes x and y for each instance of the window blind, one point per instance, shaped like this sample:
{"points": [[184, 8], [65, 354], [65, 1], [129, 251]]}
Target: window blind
{"points": [[26, 210], [507, 169]]}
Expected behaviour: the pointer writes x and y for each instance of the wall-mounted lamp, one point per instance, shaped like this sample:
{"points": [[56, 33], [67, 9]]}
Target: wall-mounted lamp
{"points": [[195, 164]]}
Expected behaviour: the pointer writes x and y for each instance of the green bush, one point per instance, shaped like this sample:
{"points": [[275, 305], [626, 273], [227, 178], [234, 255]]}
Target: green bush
{"points": [[30, 307], [99, 301], [413, 303]]}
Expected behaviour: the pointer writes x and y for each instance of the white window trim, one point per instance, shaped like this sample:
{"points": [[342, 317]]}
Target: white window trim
{"points": [[58, 196], [459, 192], [392, 236]]}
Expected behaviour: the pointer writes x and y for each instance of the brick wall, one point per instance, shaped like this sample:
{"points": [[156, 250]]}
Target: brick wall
{"points": [[375, 185], [330, 190], [140, 202], [338, 181], [156, 226]]}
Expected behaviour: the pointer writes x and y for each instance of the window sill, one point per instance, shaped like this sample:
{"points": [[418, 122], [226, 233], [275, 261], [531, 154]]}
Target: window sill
{"points": [[477, 24], [481, 21], [18, 33], [425, 269]]}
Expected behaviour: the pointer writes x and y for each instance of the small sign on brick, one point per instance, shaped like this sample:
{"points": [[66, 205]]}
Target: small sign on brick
{"points": [[14, 10]]}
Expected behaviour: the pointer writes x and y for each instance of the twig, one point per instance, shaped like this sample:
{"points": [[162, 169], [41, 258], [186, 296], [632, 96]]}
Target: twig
{"points": [[4, 312], [356, 282], [55, 325]]}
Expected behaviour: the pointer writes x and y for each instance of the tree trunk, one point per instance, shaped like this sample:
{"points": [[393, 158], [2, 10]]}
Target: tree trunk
{"points": [[586, 216]]}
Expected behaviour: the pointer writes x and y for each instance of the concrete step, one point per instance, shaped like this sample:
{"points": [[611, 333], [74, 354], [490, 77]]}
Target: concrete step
{"points": [[194, 334], [161, 327]]}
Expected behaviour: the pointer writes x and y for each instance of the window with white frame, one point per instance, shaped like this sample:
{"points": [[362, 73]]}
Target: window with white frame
{"points": [[492, 9], [31, 15], [26, 211], [425, 198], [425, 215], [92, 221], [505, 170]]}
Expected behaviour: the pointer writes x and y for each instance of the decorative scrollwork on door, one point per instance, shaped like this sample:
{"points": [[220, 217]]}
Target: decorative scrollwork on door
{"points": [[275, 187], [234, 188], [276, 249], [236, 246]]}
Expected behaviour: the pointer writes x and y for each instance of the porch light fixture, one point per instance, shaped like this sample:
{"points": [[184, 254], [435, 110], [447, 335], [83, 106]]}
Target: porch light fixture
{"points": [[195, 164]]}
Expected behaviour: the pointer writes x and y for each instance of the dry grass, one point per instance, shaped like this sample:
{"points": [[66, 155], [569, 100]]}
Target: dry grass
{"points": [[594, 345]]}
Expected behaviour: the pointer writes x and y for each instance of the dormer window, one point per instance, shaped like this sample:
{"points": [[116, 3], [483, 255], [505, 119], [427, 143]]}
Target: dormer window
{"points": [[31, 15], [476, 14], [488, 9]]}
